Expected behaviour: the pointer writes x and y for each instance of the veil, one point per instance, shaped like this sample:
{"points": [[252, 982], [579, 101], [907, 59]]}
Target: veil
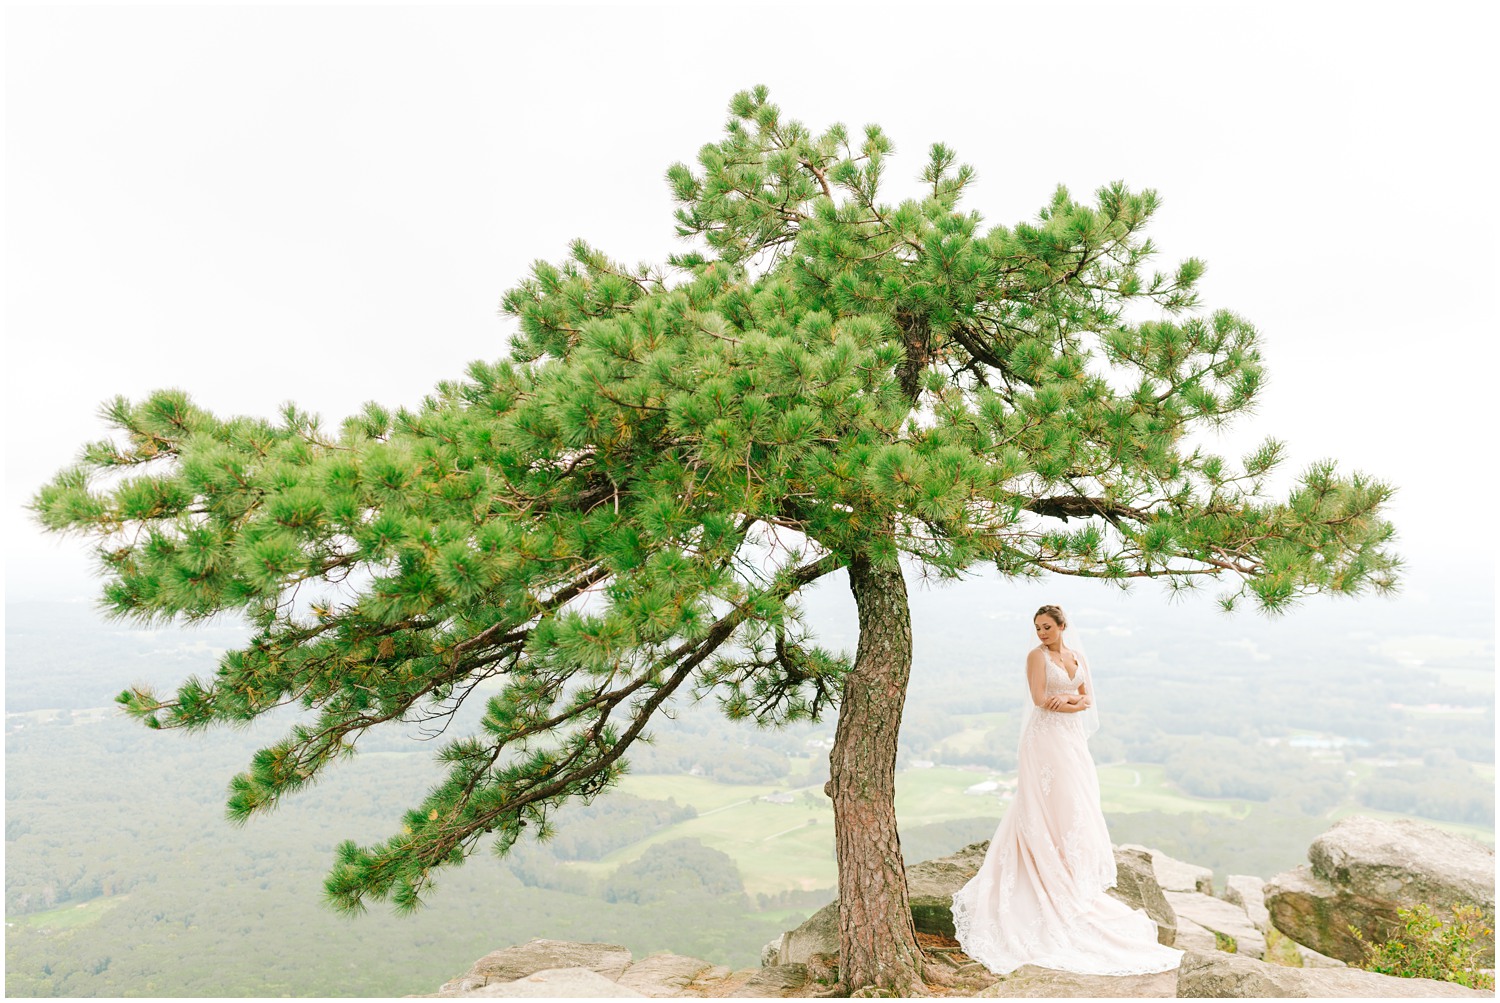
{"points": [[1072, 640]]}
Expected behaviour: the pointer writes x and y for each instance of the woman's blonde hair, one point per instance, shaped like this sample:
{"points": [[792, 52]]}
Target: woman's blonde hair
{"points": [[1056, 613]]}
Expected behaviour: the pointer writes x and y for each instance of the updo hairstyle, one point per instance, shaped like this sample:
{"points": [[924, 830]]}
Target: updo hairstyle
{"points": [[1056, 613]]}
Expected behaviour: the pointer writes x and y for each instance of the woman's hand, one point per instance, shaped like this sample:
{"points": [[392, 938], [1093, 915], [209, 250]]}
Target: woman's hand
{"points": [[1059, 702]]}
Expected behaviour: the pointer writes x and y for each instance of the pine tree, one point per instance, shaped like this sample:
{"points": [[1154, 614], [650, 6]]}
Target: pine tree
{"points": [[623, 511]]}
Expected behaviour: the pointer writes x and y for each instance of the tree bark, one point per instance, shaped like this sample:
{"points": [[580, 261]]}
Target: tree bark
{"points": [[878, 952]]}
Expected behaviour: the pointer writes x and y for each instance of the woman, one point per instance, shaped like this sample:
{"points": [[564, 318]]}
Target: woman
{"points": [[1039, 897]]}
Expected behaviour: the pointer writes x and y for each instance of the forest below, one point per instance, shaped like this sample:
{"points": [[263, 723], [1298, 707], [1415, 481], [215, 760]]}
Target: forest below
{"points": [[1228, 742]]}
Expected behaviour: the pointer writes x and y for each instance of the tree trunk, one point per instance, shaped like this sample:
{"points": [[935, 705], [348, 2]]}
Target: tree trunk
{"points": [[878, 952]]}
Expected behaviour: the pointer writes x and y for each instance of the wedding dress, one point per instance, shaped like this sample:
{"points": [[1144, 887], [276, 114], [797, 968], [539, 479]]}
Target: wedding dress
{"points": [[1039, 897]]}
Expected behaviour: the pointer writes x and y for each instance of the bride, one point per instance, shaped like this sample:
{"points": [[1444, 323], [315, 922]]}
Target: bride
{"points": [[1039, 897]]}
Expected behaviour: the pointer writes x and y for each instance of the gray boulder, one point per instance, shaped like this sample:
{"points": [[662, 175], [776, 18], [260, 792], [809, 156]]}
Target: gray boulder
{"points": [[931, 885], [1192, 937], [776, 980], [819, 934], [511, 963], [1312, 959], [563, 983], [1175, 875], [1364, 868], [1219, 975], [1222, 918], [1249, 893], [1137, 887], [668, 974]]}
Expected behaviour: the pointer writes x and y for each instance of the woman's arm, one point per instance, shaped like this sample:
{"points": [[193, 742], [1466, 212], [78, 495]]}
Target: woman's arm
{"points": [[1072, 703], [1036, 677]]}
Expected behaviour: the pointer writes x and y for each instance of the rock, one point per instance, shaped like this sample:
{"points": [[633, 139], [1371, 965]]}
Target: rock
{"points": [[823, 968], [1406, 863], [1220, 917], [1249, 894], [1312, 911], [771, 953], [776, 980], [931, 884], [1030, 981], [1396, 858], [1363, 869], [1137, 887], [511, 963], [1192, 937], [1312, 959], [819, 934], [665, 974], [567, 983], [1176, 876], [1220, 975]]}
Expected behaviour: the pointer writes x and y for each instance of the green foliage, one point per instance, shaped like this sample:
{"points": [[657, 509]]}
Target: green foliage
{"points": [[678, 867], [623, 509], [1226, 943], [1428, 948]]}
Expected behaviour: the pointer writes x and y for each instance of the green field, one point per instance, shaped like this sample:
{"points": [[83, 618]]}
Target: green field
{"points": [[1127, 787], [71, 916], [777, 846], [971, 738]]}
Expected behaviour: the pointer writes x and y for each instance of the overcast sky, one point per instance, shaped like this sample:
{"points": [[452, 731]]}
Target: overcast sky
{"points": [[324, 205]]}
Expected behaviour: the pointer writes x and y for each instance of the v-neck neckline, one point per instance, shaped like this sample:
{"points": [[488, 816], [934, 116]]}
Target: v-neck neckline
{"points": [[1072, 676]]}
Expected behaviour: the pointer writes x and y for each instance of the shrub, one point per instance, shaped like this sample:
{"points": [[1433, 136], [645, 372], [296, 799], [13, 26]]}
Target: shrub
{"points": [[1428, 948]]}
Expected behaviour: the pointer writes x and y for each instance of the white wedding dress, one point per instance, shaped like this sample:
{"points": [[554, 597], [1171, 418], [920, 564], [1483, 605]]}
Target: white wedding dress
{"points": [[1039, 897]]}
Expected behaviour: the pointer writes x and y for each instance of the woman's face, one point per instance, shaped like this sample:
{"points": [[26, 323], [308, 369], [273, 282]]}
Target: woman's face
{"points": [[1047, 630]]}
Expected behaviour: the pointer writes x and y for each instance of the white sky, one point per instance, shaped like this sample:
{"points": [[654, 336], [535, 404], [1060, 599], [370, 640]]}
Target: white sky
{"points": [[324, 205]]}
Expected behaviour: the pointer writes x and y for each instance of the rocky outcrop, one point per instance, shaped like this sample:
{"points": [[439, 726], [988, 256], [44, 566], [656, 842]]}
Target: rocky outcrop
{"points": [[931, 885], [670, 974], [1192, 937], [1174, 875], [1220, 975], [1228, 921], [1249, 893], [1312, 959], [565, 968], [818, 934], [1359, 864], [1137, 887], [511, 963], [1031, 982], [556, 983], [1363, 869]]}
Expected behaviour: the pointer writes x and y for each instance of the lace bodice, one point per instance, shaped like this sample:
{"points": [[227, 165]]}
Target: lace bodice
{"points": [[1057, 676]]}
